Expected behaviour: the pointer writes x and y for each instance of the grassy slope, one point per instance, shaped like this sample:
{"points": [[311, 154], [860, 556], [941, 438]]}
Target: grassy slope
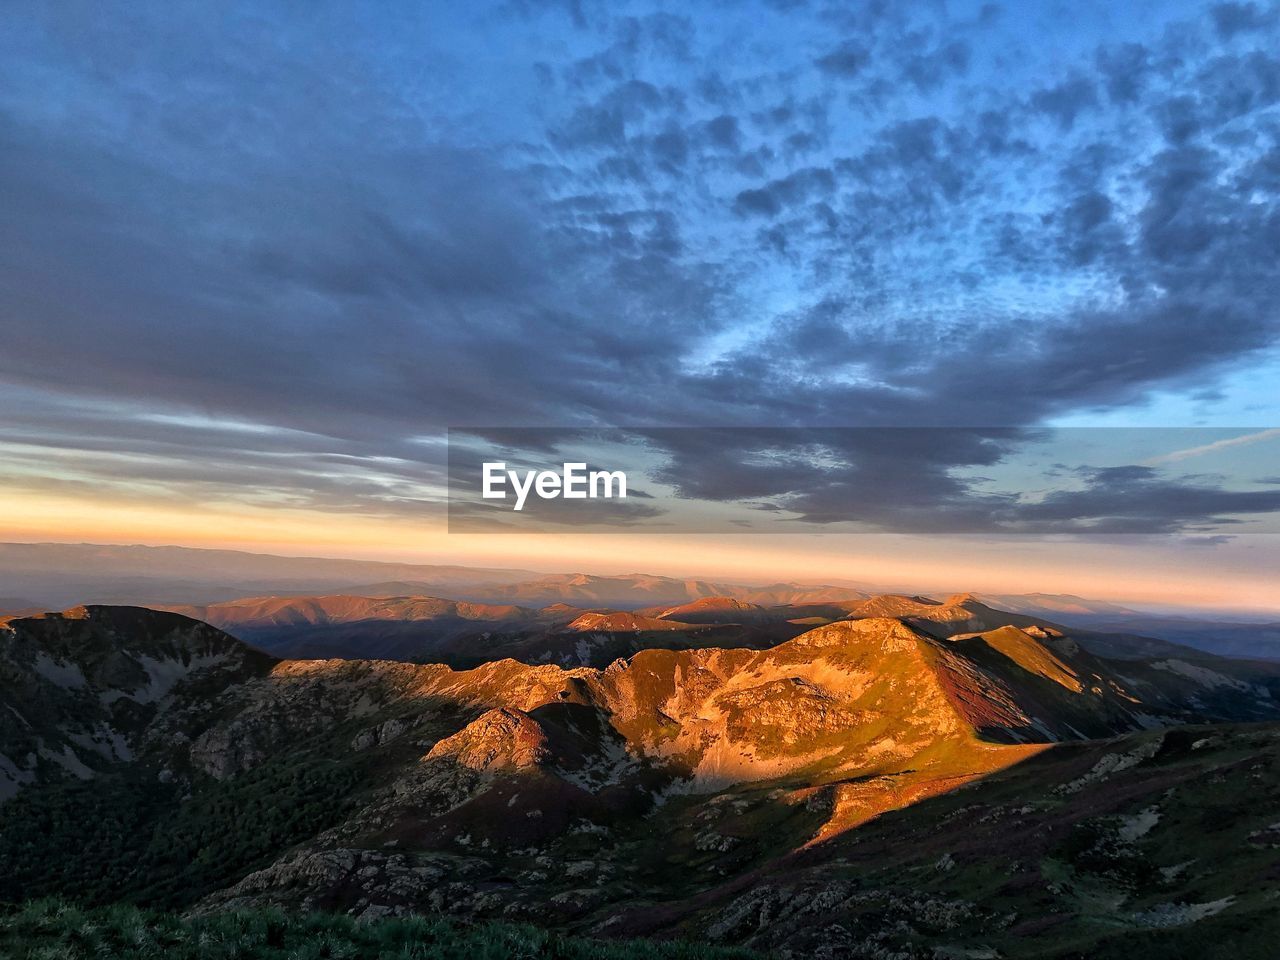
{"points": [[1175, 855], [49, 929]]}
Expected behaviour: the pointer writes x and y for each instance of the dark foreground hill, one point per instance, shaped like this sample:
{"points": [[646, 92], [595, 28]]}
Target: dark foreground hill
{"points": [[868, 788]]}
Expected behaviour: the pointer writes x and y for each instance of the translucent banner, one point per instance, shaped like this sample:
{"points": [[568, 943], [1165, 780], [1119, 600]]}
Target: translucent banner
{"points": [[954, 480]]}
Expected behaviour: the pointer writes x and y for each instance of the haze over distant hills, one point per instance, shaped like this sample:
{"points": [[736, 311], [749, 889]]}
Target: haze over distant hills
{"points": [[38, 577], [55, 575], [464, 634]]}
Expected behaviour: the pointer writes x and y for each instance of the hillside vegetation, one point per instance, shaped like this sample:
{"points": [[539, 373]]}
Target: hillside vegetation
{"points": [[42, 930]]}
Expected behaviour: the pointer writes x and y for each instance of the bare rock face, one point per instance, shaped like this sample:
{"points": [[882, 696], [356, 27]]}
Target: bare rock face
{"points": [[502, 739]]}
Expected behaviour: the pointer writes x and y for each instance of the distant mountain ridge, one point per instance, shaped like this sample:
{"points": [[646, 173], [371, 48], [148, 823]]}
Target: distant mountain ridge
{"points": [[718, 610], [52, 576], [463, 633], [632, 591], [58, 574], [258, 612]]}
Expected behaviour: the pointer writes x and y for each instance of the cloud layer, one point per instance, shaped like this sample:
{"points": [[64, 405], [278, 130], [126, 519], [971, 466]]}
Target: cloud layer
{"points": [[266, 255]]}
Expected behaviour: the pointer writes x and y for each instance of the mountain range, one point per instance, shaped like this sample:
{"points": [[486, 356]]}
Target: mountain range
{"points": [[851, 787], [39, 577], [462, 634]]}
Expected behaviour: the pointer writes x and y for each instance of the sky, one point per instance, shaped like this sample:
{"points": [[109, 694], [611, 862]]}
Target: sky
{"points": [[260, 257]]}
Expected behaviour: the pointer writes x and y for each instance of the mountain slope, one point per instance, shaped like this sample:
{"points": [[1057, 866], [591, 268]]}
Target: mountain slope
{"points": [[679, 780], [82, 686], [717, 610], [795, 745], [1145, 846], [825, 700], [965, 613]]}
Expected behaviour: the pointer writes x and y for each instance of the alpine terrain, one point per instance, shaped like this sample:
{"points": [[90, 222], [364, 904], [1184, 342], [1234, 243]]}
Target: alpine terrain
{"points": [[888, 776]]}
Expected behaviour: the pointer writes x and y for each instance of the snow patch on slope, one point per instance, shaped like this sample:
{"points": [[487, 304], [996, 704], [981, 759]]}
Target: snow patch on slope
{"points": [[162, 677], [68, 676]]}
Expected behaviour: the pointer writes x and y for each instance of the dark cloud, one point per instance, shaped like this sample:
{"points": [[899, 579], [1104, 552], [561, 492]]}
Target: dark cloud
{"points": [[1065, 101], [609, 120], [776, 195], [1216, 540], [899, 480], [1125, 69], [1135, 499], [846, 60], [1234, 86], [722, 131], [1179, 118], [1088, 227], [1234, 18], [347, 235], [929, 70]]}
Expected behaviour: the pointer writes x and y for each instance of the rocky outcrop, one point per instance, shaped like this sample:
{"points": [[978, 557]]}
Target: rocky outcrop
{"points": [[501, 739]]}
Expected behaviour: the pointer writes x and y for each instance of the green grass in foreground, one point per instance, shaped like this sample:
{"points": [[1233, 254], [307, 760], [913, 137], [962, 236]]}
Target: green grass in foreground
{"points": [[55, 930]]}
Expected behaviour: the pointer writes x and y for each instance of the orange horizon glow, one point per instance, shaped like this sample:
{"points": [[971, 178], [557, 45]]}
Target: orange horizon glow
{"points": [[1102, 571]]}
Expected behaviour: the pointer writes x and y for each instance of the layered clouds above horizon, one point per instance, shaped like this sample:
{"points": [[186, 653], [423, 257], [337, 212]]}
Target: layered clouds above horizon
{"points": [[264, 255]]}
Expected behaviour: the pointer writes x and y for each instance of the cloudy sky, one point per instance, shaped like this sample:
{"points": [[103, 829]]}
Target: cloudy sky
{"points": [[259, 258]]}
